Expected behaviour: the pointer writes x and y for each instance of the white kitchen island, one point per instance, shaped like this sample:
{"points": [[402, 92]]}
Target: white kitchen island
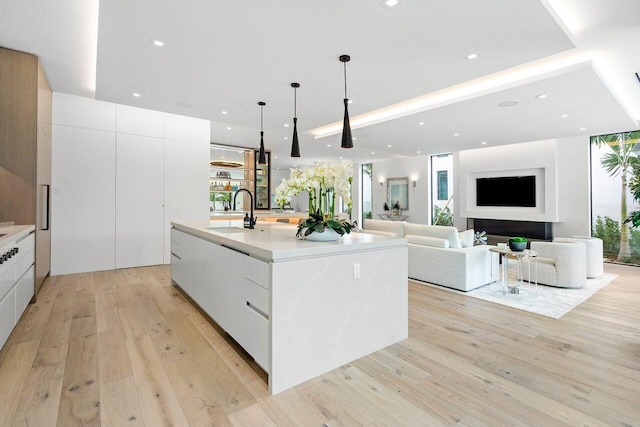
{"points": [[299, 308]]}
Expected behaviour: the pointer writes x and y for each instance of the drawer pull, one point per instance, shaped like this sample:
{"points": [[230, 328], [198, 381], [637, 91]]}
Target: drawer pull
{"points": [[257, 310], [176, 256]]}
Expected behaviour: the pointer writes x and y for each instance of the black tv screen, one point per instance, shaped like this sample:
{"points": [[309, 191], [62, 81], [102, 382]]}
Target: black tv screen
{"points": [[512, 191]]}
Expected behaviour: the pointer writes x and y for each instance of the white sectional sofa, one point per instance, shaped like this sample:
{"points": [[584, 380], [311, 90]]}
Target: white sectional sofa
{"points": [[438, 254]]}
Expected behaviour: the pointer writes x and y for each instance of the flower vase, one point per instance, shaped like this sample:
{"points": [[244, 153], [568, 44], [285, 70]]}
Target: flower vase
{"points": [[328, 235]]}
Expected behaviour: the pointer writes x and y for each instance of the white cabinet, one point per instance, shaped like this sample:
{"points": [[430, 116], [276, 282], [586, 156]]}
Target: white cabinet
{"points": [[83, 199], [230, 286], [17, 280], [186, 189], [120, 175], [139, 201]]}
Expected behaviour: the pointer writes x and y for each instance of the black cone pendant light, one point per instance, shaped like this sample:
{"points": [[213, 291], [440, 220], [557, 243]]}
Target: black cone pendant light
{"points": [[262, 158], [347, 140], [295, 147]]}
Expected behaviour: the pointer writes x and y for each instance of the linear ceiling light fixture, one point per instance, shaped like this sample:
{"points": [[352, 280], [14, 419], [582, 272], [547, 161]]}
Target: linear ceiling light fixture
{"points": [[347, 139], [492, 83], [295, 146], [262, 158]]}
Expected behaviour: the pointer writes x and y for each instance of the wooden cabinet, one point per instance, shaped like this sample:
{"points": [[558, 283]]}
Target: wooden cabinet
{"points": [[25, 150], [230, 286]]}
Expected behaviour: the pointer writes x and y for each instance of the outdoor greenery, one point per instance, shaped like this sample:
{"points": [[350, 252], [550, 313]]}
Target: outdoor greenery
{"points": [[608, 230], [442, 216], [622, 161]]}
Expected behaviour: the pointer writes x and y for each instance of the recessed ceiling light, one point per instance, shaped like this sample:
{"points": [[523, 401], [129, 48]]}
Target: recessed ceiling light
{"points": [[390, 3], [418, 152], [456, 134], [473, 56], [278, 168], [421, 123], [228, 127], [484, 143], [351, 101], [542, 96], [158, 43], [286, 125], [389, 146], [354, 138], [223, 112], [373, 152], [341, 158], [136, 94], [275, 157], [286, 137], [328, 145], [507, 103], [564, 115], [583, 128]]}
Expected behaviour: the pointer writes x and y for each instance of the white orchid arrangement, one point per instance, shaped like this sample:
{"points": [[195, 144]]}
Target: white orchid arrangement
{"points": [[323, 182]]}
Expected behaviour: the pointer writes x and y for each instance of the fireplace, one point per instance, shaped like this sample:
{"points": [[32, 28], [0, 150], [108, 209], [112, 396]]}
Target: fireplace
{"points": [[499, 230]]}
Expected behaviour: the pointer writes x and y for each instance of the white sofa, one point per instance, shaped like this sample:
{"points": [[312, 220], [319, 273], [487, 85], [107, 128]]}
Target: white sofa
{"points": [[438, 255], [595, 258]]}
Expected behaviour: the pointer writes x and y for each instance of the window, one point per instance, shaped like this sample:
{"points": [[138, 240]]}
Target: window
{"points": [[443, 185], [367, 194]]}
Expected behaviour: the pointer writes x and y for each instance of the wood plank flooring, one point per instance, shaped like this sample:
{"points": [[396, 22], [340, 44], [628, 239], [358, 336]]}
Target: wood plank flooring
{"points": [[125, 348]]}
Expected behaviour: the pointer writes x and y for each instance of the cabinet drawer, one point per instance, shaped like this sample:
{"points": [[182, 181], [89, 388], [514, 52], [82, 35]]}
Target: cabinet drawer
{"points": [[257, 271], [8, 277], [24, 292], [7, 316], [25, 261], [26, 244], [177, 242], [180, 273], [256, 296], [256, 334]]}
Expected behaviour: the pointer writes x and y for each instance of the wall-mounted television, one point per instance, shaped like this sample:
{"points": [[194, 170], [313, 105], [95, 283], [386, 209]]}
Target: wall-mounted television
{"points": [[509, 191]]}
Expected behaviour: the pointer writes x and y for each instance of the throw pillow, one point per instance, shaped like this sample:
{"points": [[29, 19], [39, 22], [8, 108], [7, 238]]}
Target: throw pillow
{"points": [[466, 238]]}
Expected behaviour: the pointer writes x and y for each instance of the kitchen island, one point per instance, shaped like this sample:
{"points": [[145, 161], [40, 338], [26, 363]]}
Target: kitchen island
{"points": [[299, 308]]}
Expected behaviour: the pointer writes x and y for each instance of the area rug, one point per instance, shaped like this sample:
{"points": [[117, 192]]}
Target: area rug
{"points": [[547, 301]]}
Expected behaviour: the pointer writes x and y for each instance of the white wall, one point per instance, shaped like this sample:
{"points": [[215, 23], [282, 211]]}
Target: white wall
{"points": [[120, 175], [416, 168], [561, 165], [531, 158]]}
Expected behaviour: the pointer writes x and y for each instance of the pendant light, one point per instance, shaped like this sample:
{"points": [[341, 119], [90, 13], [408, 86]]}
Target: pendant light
{"points": [[347, 140], [262, 158], [295, 147]]}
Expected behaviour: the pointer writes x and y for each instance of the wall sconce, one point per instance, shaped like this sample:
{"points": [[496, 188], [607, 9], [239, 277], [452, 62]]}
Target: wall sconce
{"points": [[381, 183], [414, 183]]}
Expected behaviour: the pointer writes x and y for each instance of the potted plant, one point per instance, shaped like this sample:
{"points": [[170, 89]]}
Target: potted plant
{"points": [[517, 244], [324, 226]]}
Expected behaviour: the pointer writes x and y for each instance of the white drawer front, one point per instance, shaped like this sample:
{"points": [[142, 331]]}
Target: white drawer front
{"points": [[257, 338], [256, 296], [25, 260], [258, 272], [24, 292], [25, 245], [8, 277], [7, 316]]}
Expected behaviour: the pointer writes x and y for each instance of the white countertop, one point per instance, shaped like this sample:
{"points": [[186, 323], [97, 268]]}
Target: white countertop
{"points": [[14, 232], [277, 241]]}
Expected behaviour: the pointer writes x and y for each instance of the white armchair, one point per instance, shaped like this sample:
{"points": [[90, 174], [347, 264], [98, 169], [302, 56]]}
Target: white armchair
{"points": [[594, 253], [561, 264]]}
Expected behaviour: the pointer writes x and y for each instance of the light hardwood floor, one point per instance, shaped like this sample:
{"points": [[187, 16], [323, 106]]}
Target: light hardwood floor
{"points": [[125, 348]]}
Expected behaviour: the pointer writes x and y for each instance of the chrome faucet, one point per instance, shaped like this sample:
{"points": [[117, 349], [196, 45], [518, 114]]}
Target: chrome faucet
{"points": [[252, 220]]}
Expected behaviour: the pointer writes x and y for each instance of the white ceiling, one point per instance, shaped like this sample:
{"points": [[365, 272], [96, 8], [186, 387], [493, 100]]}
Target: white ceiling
{"points": [[227, 56]]}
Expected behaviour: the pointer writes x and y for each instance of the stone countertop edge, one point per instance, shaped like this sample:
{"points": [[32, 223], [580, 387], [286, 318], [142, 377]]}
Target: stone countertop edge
{"points": [[277, 243], [15, 232]]}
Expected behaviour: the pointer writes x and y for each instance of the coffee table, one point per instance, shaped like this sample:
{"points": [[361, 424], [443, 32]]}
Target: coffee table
{"points": [[515, 286]]}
